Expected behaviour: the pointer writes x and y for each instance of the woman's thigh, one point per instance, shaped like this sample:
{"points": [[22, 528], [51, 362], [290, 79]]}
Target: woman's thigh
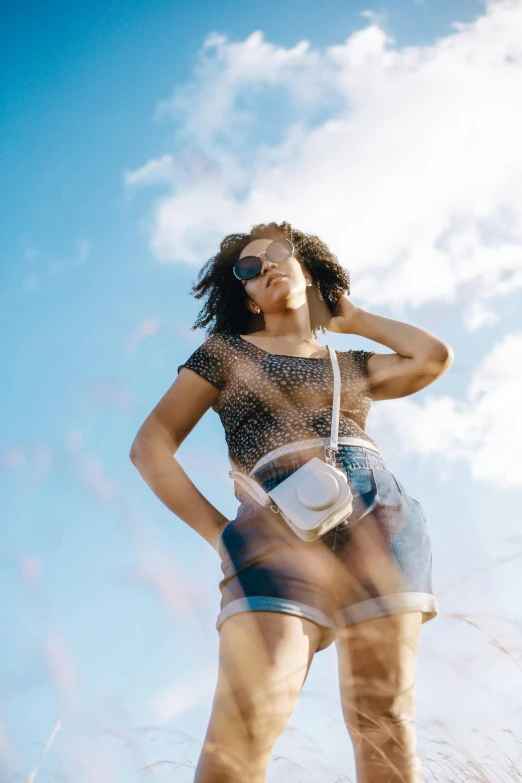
{"points": [[264, 658], [377, 661]]}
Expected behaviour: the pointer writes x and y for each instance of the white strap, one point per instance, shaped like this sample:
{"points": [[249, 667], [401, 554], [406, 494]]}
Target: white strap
{"points": [[336, 406], [251, 486]]}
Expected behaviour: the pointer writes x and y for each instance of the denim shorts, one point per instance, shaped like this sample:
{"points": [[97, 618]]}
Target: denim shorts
{"points": [[381, 565]]}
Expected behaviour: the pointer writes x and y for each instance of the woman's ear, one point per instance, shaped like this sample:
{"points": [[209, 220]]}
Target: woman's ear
{"points": [[306, 273], [250, 305]]}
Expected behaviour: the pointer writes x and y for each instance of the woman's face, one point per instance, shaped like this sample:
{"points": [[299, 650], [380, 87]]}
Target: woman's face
{"points": [[290, 287]]}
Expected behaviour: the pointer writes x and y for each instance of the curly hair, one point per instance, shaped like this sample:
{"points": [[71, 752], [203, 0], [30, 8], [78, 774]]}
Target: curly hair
{"points": [[224, 309]]}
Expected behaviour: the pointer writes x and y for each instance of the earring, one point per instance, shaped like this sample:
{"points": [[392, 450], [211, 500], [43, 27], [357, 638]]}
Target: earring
{"points": [[258, 310], [308, 282]]}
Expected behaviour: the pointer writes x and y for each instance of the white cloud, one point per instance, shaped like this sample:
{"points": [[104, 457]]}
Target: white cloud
{"points": [[406, 161], [478, 315], [485, 430], [156, 170]]}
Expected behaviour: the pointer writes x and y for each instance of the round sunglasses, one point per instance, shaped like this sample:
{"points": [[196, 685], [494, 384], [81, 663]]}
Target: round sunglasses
{"points": [[249, 267]]}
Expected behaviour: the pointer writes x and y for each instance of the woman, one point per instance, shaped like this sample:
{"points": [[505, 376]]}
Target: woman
{"points": [[368, 588]]}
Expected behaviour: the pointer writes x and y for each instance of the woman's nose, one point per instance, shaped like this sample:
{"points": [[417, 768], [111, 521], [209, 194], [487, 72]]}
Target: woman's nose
{"points": [[266, 261]]}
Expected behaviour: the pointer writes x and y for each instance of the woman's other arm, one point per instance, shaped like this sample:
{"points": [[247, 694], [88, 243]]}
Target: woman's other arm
{"points": [[159, 437], [419, 359]]}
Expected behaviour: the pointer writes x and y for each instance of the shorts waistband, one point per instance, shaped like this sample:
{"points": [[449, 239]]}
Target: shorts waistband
{"points": [[301, 445]]}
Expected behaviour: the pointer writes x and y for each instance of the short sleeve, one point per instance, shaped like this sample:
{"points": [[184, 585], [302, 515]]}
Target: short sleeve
{"points": [[361, 359], [209, 361]]}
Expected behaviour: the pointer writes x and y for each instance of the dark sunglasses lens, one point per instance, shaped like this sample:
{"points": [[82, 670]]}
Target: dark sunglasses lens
{"points": [[279, 250], [248, 267]]}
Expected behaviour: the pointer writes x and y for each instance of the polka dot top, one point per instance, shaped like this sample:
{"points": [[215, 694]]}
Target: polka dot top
{"points": [[267, 400]]}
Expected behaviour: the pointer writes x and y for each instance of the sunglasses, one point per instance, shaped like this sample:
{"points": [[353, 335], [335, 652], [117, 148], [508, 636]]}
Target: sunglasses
{"points": [[249, 267]]}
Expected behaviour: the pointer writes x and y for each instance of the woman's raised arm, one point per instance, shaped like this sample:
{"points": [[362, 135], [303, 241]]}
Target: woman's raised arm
{"points": [[419, 359]]}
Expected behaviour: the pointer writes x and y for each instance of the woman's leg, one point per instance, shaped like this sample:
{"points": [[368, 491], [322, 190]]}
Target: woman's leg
{"points": [[377, 664], [264, 658]]}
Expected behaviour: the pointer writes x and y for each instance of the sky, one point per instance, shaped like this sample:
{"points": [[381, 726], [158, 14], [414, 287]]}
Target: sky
{"points": [[135, 136]]}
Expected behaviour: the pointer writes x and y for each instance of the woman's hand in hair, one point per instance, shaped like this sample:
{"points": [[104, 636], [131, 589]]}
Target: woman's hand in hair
{"points": [[344, 315]]}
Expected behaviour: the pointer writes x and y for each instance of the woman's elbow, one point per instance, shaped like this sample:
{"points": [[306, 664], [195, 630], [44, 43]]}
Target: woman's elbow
{"points": [[441, 360], [447, 355]]}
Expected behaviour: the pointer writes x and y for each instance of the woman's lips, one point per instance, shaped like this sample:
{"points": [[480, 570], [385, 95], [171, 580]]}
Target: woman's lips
{"points": [[276, 279]]}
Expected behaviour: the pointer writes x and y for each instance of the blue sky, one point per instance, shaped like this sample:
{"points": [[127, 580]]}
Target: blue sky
{"points": [[135, 136]]}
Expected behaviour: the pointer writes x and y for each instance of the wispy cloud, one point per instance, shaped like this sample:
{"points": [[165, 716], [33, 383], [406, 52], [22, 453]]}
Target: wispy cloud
{"points": [[53, 265], [156, 170], [148, 327]]}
